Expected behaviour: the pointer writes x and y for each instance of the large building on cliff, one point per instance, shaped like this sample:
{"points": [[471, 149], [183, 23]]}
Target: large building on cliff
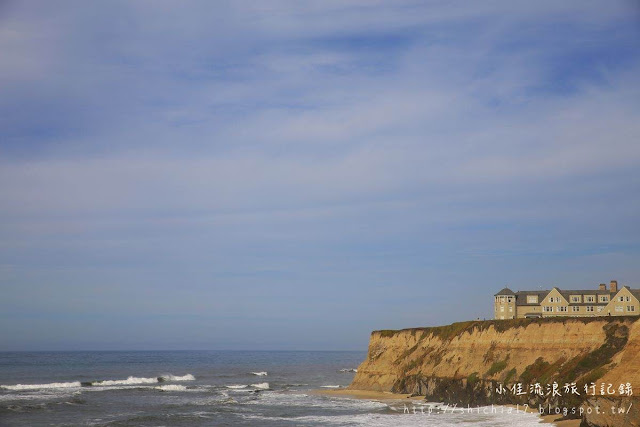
{"points": [[557, 302]]}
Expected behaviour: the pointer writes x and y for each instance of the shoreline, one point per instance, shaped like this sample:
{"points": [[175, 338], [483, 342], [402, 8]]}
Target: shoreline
{"points": [[365, 394], [386, 396]]}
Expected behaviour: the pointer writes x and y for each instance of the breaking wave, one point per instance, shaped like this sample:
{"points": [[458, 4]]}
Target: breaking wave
{"points": [[170, 377], [260, 374], [74, 384], [171, 387], [142, 380], [128, 381], [262, 386], [41, 386]]}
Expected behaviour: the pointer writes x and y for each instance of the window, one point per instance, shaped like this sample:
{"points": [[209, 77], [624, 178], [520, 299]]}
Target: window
{"points": [[502, 309], [600, 309], [631, 308], [511, 308], [575, 308], [627, 298], [604, 298], [620, 299], [562, 309], [590, 298], [589, 308], [547, 309], [575, 298], [619, 309], [532, 299]]}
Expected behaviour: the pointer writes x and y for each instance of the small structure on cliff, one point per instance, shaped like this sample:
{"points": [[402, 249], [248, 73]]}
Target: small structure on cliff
{"points": [[576, 303]]}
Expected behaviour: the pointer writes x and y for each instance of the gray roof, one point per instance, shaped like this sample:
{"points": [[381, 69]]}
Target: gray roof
{"points": [[505, 291], [567, 294], [584, 292], [521, 297]]}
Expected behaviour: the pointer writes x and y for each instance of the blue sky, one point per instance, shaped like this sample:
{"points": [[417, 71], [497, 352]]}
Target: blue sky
{"points": [[293, 175]]}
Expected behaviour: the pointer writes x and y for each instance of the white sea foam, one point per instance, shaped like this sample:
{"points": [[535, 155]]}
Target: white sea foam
{"points": [[330, 386], [143, 380], [260, 374], [38, 396], [406, 420], [237, 386], [349, 370], [302, 400], [171, 387], [73, 384], [262, 386], [42, 386], [169, 377], [128, 381]]}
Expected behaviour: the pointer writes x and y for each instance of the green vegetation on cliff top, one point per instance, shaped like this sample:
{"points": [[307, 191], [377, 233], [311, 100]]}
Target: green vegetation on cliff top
{"points": [[448, 332]]}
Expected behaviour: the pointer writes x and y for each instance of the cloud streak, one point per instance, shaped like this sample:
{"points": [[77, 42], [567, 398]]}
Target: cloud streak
{"points": [[250, 164]]}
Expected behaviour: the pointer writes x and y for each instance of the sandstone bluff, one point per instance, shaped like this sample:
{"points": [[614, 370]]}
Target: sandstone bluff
{"points": [[466, 362]]}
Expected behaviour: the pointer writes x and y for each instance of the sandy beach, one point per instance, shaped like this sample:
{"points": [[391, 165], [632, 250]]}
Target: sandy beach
{"points": [[385, 396], [563, 423]]}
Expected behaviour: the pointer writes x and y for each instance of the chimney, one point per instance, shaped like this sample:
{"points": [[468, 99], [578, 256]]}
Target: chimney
{"points": [[614, 286], [603, 287]]}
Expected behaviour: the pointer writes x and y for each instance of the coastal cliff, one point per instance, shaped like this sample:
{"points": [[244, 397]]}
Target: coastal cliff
{"points": [[466, 362]]}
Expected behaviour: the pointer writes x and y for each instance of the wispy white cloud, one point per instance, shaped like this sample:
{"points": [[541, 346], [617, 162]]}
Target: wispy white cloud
{"points": [[297, 147]]}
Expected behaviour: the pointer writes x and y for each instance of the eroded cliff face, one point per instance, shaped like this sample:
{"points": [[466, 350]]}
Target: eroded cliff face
{"points": [[465, 362]]}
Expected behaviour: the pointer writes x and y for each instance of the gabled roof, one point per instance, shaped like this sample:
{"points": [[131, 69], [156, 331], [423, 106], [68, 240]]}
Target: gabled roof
{"points": [[634, 292], [505, 291]]}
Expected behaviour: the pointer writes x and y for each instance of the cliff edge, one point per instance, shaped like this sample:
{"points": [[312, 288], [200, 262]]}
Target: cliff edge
{"points": [[466, 362]]}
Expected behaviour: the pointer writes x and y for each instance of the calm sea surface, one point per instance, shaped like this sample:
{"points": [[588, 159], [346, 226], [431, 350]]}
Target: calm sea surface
{"points": [[201, 388]]}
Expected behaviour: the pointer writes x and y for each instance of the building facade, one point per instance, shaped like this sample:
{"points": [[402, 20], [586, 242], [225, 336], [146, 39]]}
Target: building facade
{"points": [[612, 301]]}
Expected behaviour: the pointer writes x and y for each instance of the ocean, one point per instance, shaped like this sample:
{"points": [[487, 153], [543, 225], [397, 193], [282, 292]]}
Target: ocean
{"points": [[206, 388]]}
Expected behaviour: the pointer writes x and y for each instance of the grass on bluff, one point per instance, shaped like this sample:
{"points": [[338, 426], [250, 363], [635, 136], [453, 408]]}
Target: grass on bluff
{"points": [[473, 379], [496, 367], [510, 375], [448, 332]]}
